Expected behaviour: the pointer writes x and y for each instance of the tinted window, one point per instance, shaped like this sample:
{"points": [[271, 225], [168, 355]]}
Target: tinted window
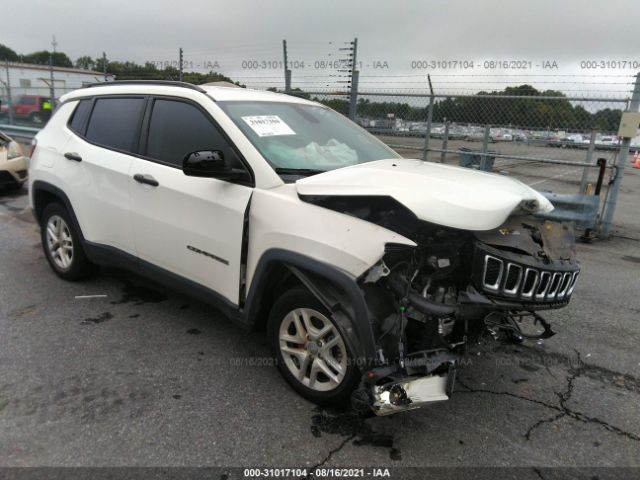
{"points": [[80, 116], [177, 129], [27, 101], [114, 122]]}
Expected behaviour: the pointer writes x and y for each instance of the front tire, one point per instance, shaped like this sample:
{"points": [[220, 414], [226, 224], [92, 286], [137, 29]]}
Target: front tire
{"points": [[311, 352], [61, 244]]}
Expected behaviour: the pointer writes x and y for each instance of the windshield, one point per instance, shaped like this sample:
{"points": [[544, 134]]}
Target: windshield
{"points": [[304, 139]]}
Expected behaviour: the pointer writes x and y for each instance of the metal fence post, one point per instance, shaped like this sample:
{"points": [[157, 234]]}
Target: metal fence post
{"points": [[485, 147], [585, 172], [287, 72], [427, 134], [353, 100], [9, 98], [620, 166], [445, 141], [52, 91]]}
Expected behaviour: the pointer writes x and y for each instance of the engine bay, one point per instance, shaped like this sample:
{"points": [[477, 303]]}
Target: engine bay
{"points": [[426, 302]]}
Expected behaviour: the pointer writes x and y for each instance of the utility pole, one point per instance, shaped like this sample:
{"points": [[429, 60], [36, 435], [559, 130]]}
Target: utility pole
{"points": [[180, 55], [353, 100], [287, 71], [52, 91], [620, 166], [104, 65]]}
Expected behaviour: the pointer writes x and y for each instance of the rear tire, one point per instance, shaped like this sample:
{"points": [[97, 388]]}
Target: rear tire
{"points": [[61, 244], [311, 352]]}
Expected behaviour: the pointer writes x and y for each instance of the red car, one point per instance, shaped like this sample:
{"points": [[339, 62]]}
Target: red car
{"points": [[29, 107], [4, 107]]}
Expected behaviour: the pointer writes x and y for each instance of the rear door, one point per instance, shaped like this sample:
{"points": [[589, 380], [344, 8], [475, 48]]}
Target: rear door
{"points": [[96, 164], [190, 226]]}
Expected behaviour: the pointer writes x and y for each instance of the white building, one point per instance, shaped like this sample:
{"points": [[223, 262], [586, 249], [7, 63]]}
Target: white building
{"points": [[30, 79]]}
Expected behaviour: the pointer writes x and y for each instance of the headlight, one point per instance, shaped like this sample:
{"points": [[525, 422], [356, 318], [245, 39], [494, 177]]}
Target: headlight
{"points": [[13, 150]]}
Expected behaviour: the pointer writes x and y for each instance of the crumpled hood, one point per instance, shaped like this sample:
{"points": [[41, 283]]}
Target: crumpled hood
{"points": [[445, 195]]}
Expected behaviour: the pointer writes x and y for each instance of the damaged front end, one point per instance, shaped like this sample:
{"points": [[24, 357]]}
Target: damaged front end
{"points": [[425, 302]]}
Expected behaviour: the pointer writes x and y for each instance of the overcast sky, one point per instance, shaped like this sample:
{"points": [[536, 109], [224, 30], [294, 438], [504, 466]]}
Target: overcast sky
{"points": [[396, 32]]}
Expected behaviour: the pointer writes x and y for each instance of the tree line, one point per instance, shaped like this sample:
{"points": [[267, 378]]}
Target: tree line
{"points": [[535, 112], [121, 70]]}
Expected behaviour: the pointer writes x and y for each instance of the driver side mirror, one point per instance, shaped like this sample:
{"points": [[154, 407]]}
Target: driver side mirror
{"points": [[211, 164]]}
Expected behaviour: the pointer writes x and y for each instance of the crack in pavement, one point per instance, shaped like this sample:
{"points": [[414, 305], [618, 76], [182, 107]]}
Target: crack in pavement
{"points": [[596, 372], [562, 408], [354, 429], [331, 453], [541, 422], [538, 473]]}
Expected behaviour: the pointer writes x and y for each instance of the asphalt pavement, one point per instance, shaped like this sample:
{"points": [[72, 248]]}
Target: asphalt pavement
{"points": [[118, 371]]}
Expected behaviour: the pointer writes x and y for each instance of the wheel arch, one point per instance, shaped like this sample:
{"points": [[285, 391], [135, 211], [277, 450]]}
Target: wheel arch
{"points": [[279, 269], [44, 193]]}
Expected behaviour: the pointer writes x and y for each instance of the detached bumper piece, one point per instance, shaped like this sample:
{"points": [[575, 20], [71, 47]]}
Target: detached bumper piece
{"points": [[425, 377], [413, 392], [497, 322]]}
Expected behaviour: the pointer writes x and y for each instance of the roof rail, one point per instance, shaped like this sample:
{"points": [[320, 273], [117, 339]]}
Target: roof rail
{"points": [[169, 83]]}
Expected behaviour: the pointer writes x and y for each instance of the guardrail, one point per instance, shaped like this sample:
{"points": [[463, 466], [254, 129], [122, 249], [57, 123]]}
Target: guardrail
{"points": [[17, 131]]}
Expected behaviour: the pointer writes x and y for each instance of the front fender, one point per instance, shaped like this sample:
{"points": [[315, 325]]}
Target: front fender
{"points": [[337, 290]]}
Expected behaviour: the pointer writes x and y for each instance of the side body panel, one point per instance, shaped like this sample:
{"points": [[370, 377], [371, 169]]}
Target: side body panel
{"points": [[98, 188], [279, 219]]}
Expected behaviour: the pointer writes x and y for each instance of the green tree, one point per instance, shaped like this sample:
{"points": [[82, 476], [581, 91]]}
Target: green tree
{"points": [[7, 53], [59, 59], [85, 62], [607, 120]]}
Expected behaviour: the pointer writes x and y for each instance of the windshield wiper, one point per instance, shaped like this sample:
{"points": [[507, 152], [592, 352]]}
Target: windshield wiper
{"points": [[298, 171]]}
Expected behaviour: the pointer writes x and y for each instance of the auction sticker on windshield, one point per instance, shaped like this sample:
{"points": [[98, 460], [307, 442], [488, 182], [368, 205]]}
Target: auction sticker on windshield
{"points": [[268, 125]]}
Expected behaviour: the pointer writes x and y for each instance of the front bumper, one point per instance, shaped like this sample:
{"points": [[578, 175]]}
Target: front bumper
{"points": [[14, 171]]}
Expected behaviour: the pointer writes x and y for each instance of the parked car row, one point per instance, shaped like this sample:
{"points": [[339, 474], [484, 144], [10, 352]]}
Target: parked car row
{"points": [[496, 134]]}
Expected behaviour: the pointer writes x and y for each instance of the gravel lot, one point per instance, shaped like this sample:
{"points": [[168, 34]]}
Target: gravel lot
{"points": [[145, 377]]}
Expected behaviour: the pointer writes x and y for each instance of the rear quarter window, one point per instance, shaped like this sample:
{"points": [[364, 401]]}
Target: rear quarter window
{"points": [[114, 123], [80, 115]]}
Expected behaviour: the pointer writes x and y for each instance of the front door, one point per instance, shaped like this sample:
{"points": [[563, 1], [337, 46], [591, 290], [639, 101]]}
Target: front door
{"points": [[190, 226]]}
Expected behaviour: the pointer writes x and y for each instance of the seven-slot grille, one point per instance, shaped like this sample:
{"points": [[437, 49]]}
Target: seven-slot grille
{"points": [[509, 279]]}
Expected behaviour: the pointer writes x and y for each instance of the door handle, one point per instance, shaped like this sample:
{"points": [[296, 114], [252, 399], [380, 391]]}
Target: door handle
{"points": [[146, 179], [73, 156]]}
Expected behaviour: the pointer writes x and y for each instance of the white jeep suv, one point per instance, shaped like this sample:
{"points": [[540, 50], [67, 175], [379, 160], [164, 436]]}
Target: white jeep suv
{"points": [[368, 271]]}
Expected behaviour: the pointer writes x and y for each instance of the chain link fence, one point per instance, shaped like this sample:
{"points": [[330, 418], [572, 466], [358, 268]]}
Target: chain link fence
{"points": [[30, 92], [551, 142], [549, 139]]}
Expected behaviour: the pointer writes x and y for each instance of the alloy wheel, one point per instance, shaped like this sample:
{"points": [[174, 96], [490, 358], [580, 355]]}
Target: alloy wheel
{"points": [[59, 242], [313, 349]]}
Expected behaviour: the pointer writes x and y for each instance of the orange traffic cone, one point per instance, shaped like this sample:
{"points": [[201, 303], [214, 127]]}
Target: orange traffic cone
{"points": [[636, 163]]}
